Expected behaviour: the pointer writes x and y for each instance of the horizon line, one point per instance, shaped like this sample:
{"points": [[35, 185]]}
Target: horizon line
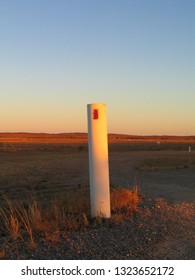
{"points": [[109, 133]]}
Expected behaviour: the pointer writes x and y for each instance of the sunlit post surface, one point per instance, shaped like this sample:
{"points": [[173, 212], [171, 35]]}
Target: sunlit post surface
{"points": [[98, 160]]}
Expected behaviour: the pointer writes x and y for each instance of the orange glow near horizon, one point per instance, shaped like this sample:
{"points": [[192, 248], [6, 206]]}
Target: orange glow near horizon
{"points": [[62, 121]]}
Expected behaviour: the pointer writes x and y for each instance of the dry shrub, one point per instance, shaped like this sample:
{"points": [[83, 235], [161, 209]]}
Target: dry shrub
{"points": [[124, 200]]}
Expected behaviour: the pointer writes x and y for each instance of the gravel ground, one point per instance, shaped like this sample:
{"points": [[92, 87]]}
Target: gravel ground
{"points": [[156, 231]]}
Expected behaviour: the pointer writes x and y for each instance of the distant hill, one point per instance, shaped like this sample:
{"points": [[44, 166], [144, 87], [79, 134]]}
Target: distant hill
{"points": [[79, 137]]}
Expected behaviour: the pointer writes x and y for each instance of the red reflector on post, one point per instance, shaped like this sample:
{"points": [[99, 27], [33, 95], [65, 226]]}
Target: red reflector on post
{"points": [[95, 114]]}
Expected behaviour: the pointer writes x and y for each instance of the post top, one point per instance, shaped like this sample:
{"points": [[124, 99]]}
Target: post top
{"points": [[96, 104]]}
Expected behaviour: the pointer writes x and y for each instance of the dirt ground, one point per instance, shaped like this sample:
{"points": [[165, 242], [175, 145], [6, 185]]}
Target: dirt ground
{"points": [[168, 174]]}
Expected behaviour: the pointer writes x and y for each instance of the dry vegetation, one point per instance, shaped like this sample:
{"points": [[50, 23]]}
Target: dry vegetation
{"points": [[29, 221], [45, 209], [136, 228]]}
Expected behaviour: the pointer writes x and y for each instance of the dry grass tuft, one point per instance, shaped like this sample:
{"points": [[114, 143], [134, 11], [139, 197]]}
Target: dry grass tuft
{"points": [[26, 221], [124, 200], [35, 215], [11, 224]]}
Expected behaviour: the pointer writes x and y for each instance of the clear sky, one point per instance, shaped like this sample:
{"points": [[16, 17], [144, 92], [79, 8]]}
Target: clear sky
{"points": [[137, 56]]}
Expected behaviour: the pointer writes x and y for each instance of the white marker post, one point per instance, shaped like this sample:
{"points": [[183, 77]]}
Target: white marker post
{"points": [[98, 160]]}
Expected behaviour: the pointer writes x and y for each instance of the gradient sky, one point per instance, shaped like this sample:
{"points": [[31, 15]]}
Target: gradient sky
{"points": [[137, 56]]}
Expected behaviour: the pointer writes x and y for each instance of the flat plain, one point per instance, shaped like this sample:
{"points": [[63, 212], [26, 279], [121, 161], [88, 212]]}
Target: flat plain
{"points": [[163, 168]]}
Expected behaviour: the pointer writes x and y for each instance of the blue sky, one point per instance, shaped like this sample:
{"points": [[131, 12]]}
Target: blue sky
{"points": [[137, 56]]}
